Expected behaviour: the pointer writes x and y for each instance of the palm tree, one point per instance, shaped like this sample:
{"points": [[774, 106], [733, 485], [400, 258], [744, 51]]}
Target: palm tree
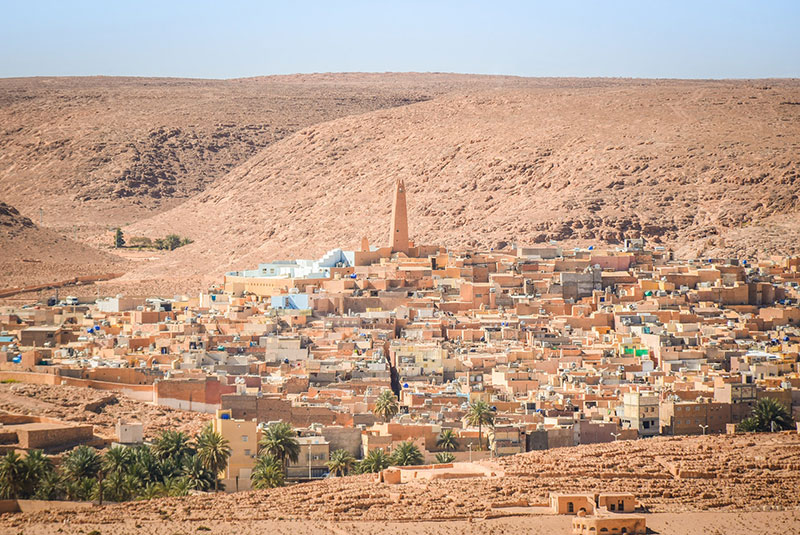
{"points": [[386, 405], [279, 441], [82, 462], [117, 460], [375, 461], [172, 445], [37, 467], [406, 454], [50, 487], [768, 415], [445, 457], [145, 466], [176, 486], [152, 490], [113, 488], [267, 473], [214, 452], [197, 476], [479, 414], [447, 440], [341, 462], [12, 475]]}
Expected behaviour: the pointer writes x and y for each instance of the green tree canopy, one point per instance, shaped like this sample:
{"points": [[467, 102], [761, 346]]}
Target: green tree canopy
{"points": [[406, 454], [173, 445], [119, 239], [214, 452], [479, 414], [280, 441], [768, 415], [82, 463], [12, 475], [447, 440], [445, 457], [267, 472], [341, 462], [375, 461], [386, 406]]}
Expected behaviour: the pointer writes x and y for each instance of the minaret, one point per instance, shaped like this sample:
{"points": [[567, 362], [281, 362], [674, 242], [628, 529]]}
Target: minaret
{"points": [[399, 232]]}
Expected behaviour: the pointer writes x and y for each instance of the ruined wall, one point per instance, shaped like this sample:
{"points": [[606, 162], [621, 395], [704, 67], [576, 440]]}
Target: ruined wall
{"points": [[58, 436]]}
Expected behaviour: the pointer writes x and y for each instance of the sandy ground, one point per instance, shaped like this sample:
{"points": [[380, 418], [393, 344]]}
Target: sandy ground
{"points": [[734, 523]]}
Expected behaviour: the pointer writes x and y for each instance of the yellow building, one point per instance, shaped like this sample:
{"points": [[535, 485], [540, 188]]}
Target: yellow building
{"points": [[242, 437], [420, 359]]}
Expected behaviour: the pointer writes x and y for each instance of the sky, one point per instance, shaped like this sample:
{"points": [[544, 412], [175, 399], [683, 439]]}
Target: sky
{"points": [[231, 39]]}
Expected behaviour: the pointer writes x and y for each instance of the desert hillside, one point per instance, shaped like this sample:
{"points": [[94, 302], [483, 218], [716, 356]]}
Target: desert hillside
{"points": [[702, 166], [103, 150], [34, 255]]}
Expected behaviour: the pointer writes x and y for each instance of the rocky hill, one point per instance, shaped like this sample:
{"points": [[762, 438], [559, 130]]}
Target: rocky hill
{"points": [[99, 151], [702, 166]]}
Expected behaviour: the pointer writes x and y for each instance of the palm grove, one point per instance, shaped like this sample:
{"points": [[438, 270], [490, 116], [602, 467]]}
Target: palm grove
{"points": [[175, 464]]}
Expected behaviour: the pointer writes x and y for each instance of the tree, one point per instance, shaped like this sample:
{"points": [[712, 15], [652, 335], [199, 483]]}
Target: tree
{"points": [[119, 239], [768, 415], [341, 462], [214, 452], [145, 466], [152, 490], [386, 405], [375, 461], [406, 454], [280, 442], [197, 476], [267, 473], [12, 475], [37, 467], [82, 463], [479, 414], [174, 445], [445, 457], [173, 241], [447, 440], [117, 460], [50, 487]]}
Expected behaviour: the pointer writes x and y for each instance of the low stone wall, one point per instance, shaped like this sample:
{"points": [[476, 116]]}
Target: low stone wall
{"points": [[30, 378], [33, 506], [54, 436], [403, 474]]}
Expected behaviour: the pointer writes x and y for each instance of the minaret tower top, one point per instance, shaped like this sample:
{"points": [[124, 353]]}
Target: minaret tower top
{"points": [[399, 231]]}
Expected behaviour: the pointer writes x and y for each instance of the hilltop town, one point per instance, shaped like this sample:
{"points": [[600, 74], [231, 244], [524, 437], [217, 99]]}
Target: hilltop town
{"points": [[481, 354]]}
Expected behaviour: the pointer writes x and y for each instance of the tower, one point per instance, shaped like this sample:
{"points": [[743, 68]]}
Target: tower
{"points": [[399, 231]]}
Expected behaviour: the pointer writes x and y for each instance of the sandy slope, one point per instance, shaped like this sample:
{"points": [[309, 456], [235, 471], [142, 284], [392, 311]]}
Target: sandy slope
{"points": [[30, 254], [98, 151], [702, 166]]}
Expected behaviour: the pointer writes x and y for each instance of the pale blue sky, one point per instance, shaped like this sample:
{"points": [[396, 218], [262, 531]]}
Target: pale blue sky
{"points": [[226, 39]]}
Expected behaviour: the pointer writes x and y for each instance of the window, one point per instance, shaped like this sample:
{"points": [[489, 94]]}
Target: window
{"points": [[612, 507], [247, 452], [570, 507], [244, 438]]}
